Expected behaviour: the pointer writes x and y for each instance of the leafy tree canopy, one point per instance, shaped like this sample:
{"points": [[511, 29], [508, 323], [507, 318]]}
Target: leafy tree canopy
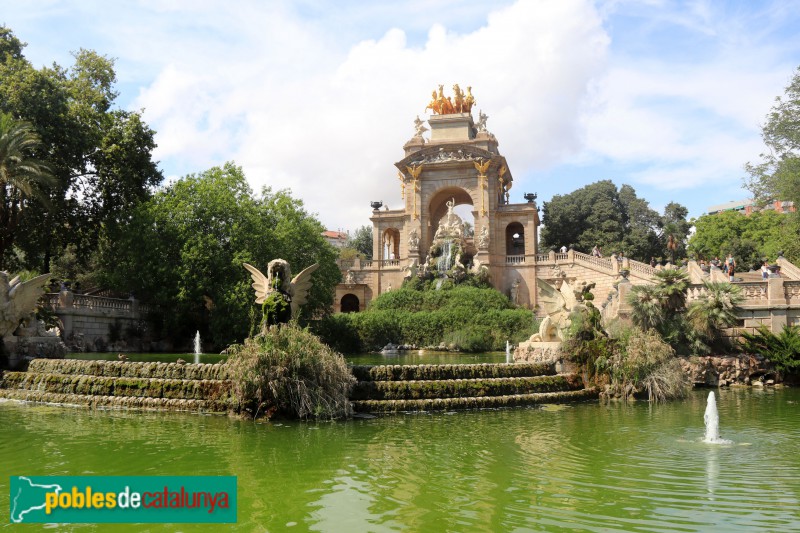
{"points": [[101, 157], [599, 214], [184, 248], [361, 240], [750, 239]]}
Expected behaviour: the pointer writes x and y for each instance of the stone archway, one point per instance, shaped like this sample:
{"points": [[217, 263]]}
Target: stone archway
{"points": [[438, 206], [390, 244], [350, 304]]}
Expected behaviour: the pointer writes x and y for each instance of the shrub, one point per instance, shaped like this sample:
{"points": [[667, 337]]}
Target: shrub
{"points": [[473, 319], [378, 328], [472, 339], [287, 370], [667, 381], [643, 362], [422, 328], [783, 350], [401, 299], [339, 331]]}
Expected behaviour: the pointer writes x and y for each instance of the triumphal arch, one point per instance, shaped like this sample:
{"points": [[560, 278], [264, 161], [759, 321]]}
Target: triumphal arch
{"points": [[458, 164]]}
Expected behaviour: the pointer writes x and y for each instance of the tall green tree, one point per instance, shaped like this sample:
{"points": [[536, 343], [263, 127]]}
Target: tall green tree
{"points": [[183, 250], [101, 156], [24, 180], [361, 240], [599, 214], [777, 175]]}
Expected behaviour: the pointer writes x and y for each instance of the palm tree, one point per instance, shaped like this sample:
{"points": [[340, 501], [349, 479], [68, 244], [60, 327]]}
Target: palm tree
{"points": [[671, 284], [647, 306], [23, 178], [713, 312]]}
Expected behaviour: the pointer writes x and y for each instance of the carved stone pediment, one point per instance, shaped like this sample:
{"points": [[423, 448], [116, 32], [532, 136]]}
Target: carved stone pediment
{"points": [[452, 153]]}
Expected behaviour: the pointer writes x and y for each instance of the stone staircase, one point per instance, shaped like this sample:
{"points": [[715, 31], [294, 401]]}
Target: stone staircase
{"points": [[158, 386], [396, 388]]}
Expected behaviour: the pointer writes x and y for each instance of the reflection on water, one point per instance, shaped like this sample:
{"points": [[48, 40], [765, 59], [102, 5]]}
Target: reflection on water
{"points": [[584, 466]]}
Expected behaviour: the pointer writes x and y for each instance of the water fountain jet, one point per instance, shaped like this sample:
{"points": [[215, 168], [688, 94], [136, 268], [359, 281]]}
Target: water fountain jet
{"points": [[711, 419], [197, 348]]}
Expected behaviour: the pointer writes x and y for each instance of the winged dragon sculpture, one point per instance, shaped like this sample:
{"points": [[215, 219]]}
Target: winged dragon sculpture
{"points": [[558, 303], [18, 300], [283, 294]]}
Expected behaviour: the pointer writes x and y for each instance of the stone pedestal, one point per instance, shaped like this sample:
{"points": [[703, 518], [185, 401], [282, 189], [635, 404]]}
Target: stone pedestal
{"points": [[538, 352], [20, 348]]}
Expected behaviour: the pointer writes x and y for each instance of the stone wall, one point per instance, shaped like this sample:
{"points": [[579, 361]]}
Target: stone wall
{"points": [[722, 370]]}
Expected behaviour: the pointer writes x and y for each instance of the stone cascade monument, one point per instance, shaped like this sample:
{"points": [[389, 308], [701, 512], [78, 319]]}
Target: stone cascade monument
{"points": [[451, 161], [446, 252]]}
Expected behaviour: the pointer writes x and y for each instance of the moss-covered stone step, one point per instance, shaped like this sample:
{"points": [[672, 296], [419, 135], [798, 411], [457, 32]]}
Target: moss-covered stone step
{"points": [[442, 372], [482, 402], [93, 385], [463, 388], [129, 369], [115, 402]]}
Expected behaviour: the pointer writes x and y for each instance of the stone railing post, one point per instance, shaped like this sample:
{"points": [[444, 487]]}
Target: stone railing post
{"points": [[357, 263], [134, 307], [571, 255], [552, 256], [65, 298], [777, 303], [615, 264], [624, 288]]}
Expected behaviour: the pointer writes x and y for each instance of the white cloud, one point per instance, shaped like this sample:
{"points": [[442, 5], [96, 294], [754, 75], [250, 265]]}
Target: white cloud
{"points": [[329, 123], [320, 97]]}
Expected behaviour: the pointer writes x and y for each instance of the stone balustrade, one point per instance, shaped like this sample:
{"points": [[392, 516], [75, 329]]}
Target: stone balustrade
{"points": [[92, 322]]}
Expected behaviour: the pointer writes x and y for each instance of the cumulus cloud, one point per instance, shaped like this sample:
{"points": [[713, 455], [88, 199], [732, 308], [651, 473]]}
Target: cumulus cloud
{"points": [[320, 97], [328, 123]]}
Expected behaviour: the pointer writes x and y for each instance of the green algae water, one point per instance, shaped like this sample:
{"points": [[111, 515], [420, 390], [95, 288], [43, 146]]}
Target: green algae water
{"points": [[578, 467]]}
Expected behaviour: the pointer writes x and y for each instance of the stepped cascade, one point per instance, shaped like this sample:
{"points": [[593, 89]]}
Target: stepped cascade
{"points": [[395, 388], [116, 384], [207, 388]]}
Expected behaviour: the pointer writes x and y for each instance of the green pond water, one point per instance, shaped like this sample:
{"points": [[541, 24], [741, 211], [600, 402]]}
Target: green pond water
{"points": [[579, 467], [411, 357]]}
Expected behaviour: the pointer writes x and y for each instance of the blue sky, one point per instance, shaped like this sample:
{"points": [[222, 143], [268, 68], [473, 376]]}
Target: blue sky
{"points": [[319, 97]]}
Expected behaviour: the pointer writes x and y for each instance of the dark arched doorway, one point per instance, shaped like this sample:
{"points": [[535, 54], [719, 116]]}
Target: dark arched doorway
{"points": [[515, 239], [350, 304]]}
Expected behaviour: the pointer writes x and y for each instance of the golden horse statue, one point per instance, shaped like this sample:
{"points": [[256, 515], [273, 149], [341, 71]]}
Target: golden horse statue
{"points": [[444, 105]]}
